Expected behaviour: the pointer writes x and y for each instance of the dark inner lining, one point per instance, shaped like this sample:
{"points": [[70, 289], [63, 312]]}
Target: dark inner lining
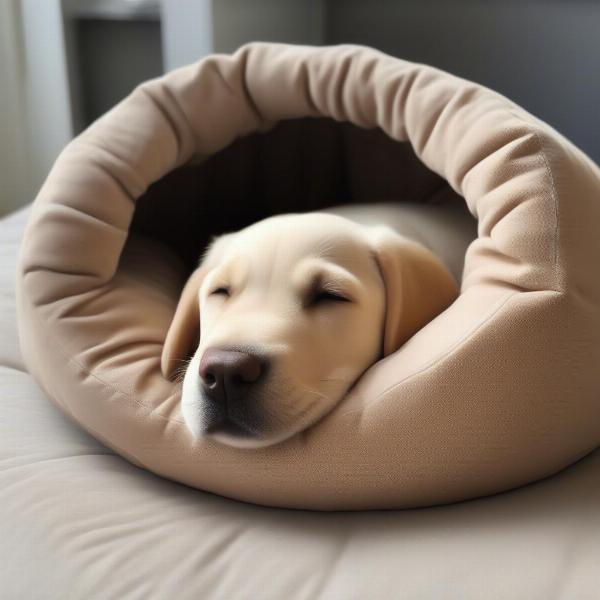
{"points": [[300, 165]]}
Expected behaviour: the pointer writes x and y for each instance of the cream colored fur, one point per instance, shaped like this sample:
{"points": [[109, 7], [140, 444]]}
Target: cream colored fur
{"points": [[273, 270]]}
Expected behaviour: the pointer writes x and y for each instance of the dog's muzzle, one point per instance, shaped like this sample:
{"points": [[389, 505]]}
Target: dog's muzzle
{"points": [[227, 379]]}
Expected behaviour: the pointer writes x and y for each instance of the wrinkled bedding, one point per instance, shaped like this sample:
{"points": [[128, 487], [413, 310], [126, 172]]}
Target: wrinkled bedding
{"points": [[78, 521]]}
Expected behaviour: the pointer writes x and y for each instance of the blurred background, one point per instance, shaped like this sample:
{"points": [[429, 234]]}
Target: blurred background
{"points": [[64, 62]]}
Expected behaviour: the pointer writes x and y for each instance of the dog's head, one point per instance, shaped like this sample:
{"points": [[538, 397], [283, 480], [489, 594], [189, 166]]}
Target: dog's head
{"points": [[283, 317]]}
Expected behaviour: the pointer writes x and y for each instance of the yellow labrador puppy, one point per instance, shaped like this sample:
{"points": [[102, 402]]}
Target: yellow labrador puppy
{"points": [[282, 317]]}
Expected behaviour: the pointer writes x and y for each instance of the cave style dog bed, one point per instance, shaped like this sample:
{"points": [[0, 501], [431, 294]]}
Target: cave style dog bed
{"points": [[499, 390]]}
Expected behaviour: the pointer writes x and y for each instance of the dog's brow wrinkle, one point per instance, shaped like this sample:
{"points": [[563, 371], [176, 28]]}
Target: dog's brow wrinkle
{"points": [[375, 262], [278, 255], [325, 248]]}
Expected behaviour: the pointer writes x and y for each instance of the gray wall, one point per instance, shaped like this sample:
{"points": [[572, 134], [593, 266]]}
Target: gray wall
{"points": [[291, 21], [543, 54], [112, 57]]}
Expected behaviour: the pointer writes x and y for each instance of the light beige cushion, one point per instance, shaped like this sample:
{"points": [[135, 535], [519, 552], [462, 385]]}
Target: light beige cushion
{"points": [[499, 390], [76, 522]]}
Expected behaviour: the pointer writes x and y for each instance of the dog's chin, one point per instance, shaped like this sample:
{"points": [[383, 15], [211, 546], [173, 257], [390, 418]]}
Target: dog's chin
{"points": [[244, 441], [225, 431], [207, 422]]}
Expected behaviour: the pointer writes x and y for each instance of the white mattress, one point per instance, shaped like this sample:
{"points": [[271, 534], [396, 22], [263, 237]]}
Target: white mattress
{"points": [[79, 522]]}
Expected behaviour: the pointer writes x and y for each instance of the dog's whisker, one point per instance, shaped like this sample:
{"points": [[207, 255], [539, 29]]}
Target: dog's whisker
{"points": [[309, 406], [179, 377], [180, 371], [316, 393]]}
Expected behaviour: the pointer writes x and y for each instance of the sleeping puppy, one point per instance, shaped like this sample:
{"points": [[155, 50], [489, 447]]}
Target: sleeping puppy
{"points": [[282, 317]]}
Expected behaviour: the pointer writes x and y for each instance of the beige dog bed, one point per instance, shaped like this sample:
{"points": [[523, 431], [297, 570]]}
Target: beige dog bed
{"points": [[499, 390]]}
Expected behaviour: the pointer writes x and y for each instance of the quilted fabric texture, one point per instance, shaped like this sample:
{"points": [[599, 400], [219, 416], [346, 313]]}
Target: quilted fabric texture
{"points": [[499, 390]]}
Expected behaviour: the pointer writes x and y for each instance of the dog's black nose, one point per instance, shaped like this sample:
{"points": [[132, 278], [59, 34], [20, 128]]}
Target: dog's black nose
{"points": [[227, 375]]}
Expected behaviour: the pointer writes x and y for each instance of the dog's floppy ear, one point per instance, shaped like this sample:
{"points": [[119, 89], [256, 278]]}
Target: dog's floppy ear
{"points": [[184, 332], [417, 285]]}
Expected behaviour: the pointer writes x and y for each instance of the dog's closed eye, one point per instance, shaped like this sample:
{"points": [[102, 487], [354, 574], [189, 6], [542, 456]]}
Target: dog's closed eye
{"points": [[324, 296], [315, 297], [222, 290], [324, 290]]}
